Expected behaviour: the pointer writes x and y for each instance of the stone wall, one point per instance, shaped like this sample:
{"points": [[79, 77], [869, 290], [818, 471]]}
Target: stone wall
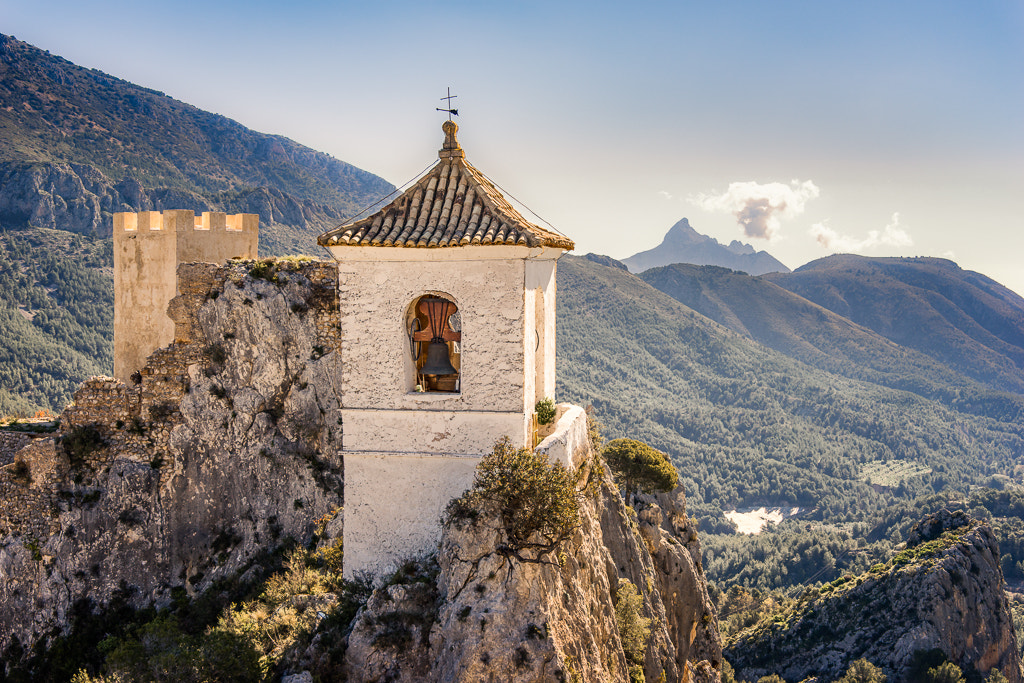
{"points": [[11, 443], [148, 246]]}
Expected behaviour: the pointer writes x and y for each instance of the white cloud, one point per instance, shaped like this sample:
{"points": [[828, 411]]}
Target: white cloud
{"points": [[893, 235], [664, 194], [758, 208]]}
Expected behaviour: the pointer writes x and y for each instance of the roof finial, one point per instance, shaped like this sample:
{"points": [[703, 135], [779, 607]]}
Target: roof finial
{"points": [[451, 147]]}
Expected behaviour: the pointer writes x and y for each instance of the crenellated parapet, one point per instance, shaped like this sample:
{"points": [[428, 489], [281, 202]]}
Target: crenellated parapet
{"points": [[148, 246]]}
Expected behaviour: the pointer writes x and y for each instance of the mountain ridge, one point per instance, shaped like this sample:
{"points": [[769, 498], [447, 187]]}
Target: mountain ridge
{"points": [[81, 144], [760, 309], [960, 318]]}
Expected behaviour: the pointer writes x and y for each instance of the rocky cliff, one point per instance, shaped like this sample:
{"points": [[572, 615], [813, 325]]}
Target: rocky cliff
{"points": [[943, 591], [490, 617], [224, 447], [218, 451]]}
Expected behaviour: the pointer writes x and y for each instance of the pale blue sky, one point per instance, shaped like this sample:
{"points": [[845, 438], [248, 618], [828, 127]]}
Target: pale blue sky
{"points": [[613, 121]]}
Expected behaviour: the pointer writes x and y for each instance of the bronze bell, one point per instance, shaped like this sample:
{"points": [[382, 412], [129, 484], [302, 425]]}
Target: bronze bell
{"points": [[437, 362]]}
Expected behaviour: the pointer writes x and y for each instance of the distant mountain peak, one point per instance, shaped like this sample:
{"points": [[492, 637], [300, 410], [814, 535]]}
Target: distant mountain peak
{"points": [[683, 244]]}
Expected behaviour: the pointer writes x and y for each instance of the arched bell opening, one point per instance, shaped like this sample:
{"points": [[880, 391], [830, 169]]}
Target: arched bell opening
{"points": [[435, 340]]}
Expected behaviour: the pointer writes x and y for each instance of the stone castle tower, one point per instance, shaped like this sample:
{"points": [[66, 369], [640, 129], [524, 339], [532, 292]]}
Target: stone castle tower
{"points": [[447, 306], [148, 246]]}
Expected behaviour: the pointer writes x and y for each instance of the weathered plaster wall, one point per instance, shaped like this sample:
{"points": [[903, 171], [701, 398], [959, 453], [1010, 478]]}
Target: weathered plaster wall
{"points": [[148, 246], [374, 298], [428, 432], [541, 280], [393, 506], [569, 440], [426, 445]]}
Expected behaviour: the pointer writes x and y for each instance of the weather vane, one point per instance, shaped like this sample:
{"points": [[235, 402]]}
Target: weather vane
{"points": [[451, 112]]}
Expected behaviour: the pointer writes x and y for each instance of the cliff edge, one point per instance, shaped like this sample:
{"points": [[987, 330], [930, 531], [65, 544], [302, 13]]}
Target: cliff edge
{"points": [[943, 591], [488, 616]]}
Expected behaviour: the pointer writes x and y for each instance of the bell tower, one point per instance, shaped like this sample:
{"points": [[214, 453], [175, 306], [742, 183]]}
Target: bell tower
{"points": [[447, 303]]}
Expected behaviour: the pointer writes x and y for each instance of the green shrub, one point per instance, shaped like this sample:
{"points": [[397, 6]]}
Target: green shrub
{"points": [[634, 628], [862, 671], [638, 467], [264, 269], [545, 410], [947, 672], [160, 651], [526, 495]]}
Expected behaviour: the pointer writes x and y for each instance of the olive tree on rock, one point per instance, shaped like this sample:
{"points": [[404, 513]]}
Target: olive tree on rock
{"points": [[535, 503]]}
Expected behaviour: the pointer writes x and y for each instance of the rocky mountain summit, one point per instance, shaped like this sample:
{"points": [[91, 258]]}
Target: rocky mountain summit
{"points": [[683, 244], [943, 591]]}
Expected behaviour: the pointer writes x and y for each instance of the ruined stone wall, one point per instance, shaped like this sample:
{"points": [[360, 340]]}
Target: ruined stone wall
{"points": [[223, 446], [11, 443]]}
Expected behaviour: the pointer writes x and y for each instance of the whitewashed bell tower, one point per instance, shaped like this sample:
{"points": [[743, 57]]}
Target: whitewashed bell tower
{"points": [[447, 302]]}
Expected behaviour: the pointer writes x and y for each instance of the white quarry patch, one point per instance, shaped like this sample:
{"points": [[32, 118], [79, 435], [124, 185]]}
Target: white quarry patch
{"points": [[753, 521]]}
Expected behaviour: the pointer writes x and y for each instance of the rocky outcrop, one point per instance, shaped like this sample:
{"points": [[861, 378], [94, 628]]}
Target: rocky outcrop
{"points": [[943, 591], [489, 617], [220, 450]]}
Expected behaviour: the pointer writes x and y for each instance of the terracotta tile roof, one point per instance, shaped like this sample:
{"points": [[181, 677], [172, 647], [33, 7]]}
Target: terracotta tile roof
{"points": [[452, 205]]}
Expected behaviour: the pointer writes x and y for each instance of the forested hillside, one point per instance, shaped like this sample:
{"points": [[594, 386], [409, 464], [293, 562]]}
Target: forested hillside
{"points": [[56, 314], [749, 426]]}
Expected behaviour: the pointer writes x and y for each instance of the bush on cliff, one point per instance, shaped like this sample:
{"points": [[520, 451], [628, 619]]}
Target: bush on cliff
{"points": [[527, 496], [638, 467], [634, 628], [862, 671]]}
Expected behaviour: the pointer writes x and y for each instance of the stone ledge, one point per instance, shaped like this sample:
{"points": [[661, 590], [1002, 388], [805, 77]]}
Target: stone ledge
{"points": [[567, 443]]}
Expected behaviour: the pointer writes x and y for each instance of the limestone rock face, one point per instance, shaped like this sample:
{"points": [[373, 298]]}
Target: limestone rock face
{"points": [[79, 198], [222, 449], [944, 590], [498, 619]]}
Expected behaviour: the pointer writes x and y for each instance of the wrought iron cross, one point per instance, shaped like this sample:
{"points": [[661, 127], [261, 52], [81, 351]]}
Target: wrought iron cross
{"points": [[450, 111]]}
